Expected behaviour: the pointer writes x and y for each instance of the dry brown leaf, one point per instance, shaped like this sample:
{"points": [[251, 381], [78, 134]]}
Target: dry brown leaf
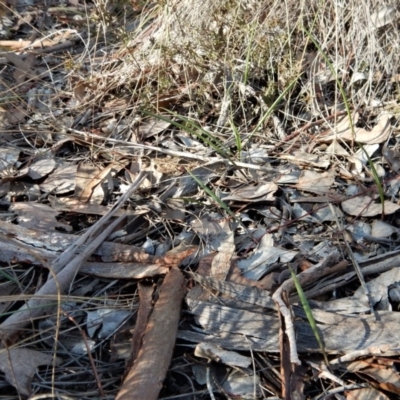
{"points": [[378, 134], [39, 169], [152, 127], [88, 178], [366, 394], [23, 67], [37, 216], [366, 207], [315, 182], [61, 181], [19, 366], [307, 160]]}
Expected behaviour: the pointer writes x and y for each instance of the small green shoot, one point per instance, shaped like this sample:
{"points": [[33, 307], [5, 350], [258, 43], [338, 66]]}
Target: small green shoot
{"points": [[310, 317], [274, 105], [220, 202], [195, 130], [238, 140], [9, 277]]}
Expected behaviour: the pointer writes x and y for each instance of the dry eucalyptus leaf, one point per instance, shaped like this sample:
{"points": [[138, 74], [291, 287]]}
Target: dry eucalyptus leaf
{"points": [[19, 366], [151, 127], [88, 183], [252, 193], [307, 160], [41, 168], [382, 229], [61, 181], [366, 207], [384, 16], [40, 217], [315, 182], [213, 352], [366, 394], [378, 134]]}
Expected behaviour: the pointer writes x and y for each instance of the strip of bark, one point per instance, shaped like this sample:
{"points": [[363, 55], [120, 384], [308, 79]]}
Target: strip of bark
{"points": [[63, 271], [144, 380], [145, 309], [56, 285], [25, 245]]}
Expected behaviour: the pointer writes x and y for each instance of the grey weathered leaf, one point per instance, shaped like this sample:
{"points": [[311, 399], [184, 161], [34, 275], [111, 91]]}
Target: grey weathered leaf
{"points": [[19, 366], [384, 16]]}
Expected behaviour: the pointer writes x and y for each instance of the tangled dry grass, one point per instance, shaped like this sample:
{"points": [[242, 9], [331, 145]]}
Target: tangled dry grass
{"points": [[229, 91]]}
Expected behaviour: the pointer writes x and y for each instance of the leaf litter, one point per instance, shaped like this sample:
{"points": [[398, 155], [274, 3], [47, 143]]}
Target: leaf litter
{"points": [[145, 168]]}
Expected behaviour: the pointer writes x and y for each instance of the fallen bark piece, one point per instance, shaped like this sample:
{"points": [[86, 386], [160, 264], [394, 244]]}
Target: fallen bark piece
{"points": [[123, 270], [63, 270], [144, 380], [145, 309], [49, 245], [226, 326]]}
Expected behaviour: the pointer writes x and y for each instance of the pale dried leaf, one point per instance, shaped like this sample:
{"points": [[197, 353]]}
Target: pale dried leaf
{"points": [[384, 16], [378, 134], [315, 182], [39, 169], [216, 353], [307, 160], [366, 207], [151, 127], [19, 366], [366, 394], [381, 229], [257, 264], [61, 181], [36, 216], [251, 193]]}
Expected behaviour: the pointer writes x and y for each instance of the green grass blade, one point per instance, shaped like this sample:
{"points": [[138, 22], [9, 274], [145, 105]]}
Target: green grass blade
{"points": [[238, 140], [273, 106], [310, 317], [220, 202], [195, 130]]}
